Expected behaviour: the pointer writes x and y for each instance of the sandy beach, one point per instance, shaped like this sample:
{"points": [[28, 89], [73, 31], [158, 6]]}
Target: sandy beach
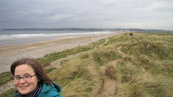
{"points": [[9, 54]]}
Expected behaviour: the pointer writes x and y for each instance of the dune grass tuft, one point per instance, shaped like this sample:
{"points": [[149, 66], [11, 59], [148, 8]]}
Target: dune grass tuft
{"points": [[5, 77]]}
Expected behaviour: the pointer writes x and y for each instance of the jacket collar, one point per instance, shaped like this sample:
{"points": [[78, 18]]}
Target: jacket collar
{"points": [[46, 88]]}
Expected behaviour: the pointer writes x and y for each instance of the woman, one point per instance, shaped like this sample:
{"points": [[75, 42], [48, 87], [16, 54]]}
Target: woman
{"points": [[30, 80]]}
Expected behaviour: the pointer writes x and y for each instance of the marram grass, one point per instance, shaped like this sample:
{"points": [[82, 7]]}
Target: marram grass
{"points": [[131, 66]]}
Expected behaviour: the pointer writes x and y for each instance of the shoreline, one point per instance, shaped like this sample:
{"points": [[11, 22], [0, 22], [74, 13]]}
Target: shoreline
{"points": [[9, 54]]}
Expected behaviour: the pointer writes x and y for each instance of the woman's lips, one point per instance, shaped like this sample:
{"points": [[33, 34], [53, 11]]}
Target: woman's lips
{"points": [[23, 87]]}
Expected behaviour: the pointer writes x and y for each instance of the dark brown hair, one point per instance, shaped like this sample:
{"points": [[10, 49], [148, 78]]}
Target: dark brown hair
{"points": [[36, 66]]}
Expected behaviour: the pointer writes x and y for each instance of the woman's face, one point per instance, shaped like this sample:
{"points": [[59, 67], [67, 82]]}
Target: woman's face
{"points": [[25, 79]]}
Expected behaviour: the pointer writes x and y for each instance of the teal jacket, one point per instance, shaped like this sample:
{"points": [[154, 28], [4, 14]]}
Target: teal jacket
{"points": [[47, 91], [50, 91]]}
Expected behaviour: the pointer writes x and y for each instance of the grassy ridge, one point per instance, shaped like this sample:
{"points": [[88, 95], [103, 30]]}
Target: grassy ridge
{"points": [[8, 93], [5, 77], [54, 56], [139, 65], [121, 66]]}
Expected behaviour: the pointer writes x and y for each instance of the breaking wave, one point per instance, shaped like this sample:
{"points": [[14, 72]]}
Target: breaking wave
{"points": [[42, 35]]}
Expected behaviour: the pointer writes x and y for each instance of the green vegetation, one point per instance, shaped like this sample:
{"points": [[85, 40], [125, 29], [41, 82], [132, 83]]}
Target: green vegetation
{"points": [[120, 66], [8, 93], [54, 56], [5, 77], [48, 70], [140, 65]]}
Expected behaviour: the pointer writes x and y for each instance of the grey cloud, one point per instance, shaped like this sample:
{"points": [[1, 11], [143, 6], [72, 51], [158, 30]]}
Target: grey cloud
{"points": [[86, 13]]}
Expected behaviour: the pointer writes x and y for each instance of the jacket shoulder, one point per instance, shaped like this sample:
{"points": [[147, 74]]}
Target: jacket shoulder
{"points": [[53, 90]]}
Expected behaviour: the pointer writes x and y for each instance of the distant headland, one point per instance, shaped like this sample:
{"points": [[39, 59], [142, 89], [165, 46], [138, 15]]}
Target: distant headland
{"points": [[94, 29]]}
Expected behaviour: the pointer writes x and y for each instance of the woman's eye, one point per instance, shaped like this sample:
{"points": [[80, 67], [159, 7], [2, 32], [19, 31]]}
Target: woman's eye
{"points": [[28, 76], [17, 77]]}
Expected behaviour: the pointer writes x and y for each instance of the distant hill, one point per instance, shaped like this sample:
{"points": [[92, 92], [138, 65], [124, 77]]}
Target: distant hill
{"points": [[94, 29]]}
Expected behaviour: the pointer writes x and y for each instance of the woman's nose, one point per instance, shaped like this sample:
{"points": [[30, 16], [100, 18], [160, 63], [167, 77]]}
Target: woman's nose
{"points": [[22, 81]]}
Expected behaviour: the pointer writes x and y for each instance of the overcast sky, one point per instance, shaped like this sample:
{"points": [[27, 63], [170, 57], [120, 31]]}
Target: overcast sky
{"points": [[148, 14]]}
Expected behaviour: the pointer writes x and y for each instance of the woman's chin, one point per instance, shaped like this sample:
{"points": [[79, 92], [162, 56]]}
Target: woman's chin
{"points": [[24, 90]]}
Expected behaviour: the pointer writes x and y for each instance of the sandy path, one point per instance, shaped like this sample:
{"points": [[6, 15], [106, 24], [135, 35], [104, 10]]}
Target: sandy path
{"points": [[9, 54]]}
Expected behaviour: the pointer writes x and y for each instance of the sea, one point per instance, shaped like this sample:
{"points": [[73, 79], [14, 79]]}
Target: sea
{"points": [[10, 38], [15, 37]]}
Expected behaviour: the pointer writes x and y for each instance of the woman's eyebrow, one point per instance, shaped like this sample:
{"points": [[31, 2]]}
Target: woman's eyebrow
{"points": [[27, 74], [24, 74]]}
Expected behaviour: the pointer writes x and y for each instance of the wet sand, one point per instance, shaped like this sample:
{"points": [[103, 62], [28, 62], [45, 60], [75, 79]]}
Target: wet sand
{"points": [[9, 54]]}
